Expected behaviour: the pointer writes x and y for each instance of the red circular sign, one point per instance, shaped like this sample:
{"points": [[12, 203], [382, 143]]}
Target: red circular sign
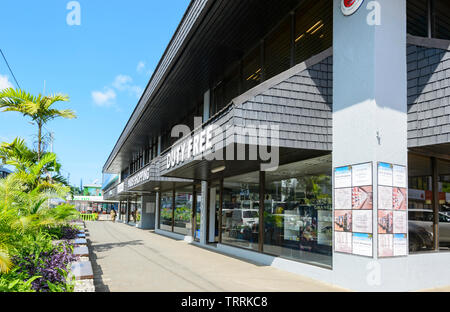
{"points": [[349, 3]]}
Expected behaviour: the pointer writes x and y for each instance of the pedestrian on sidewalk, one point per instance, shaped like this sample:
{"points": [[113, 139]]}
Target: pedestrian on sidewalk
{"points": [[113, 215]]}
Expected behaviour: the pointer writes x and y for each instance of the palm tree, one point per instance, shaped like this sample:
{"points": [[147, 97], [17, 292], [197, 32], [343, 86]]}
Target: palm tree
{"points": [[38, 108], [18, 154]]}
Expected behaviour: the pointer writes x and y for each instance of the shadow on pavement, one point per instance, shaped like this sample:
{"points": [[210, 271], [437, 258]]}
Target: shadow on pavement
{"points": [[108, 246]]}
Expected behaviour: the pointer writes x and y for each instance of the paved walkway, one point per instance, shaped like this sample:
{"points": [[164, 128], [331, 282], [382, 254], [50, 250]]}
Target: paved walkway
{"points": [[132, 260]]}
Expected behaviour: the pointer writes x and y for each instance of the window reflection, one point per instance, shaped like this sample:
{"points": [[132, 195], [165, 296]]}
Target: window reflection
{"points": [[297, 213], [166, 212], [240, 212], [183, 212], [444, 204]]}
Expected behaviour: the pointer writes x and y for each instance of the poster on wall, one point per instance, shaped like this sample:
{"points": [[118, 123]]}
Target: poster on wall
{"points": [[385, 174], [343, 177], [343, 220], [400, 245], [400, 222], [385, 222], [353, 209], [362, 175], [343, 199], [399, 198], [385, 245], [362, 221], [385, 198], [343, 242], [362, 244], [362, 198], [399, 176]]}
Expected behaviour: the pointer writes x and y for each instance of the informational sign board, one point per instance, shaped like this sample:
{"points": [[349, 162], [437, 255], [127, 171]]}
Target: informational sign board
{"points": [[353, 210], [392, 210]]}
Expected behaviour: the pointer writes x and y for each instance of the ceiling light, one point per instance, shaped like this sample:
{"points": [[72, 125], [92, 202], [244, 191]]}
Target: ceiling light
{"points": [[218, 169]]}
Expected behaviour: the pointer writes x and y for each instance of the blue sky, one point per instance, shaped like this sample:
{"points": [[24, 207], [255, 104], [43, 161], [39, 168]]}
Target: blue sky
{"points": [[103, 64]]}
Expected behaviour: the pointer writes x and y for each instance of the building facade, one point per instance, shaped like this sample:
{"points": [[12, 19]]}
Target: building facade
{"points": [[313, 136], [4, 173], [92, 201]]}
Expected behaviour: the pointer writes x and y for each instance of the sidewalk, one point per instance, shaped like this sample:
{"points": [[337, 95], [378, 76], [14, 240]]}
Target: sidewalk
{"points": [[127, 259]]}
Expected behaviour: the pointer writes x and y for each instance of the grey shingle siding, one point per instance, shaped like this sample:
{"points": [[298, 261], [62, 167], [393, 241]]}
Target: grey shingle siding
{"points": [[298, 100], [428, 96]]}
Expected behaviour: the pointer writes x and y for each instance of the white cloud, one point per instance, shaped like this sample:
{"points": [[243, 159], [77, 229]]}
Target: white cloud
{"points": [[4, 83], [105, 98], [122, 82], [140, 67]]}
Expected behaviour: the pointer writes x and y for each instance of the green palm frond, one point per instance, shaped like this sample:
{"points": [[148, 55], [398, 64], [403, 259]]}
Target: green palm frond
{"points": [[5, 261]]}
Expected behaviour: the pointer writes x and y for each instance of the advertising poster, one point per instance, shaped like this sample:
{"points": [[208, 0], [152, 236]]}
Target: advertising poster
{"points": [[362, 174], [362, 244], [385, 222], [362, 198], [343, 199], [385, 198], [343, 242], [343, 177], [399, 198], [400, 245], [385, 174], [343, 220], [362, 221], [400, 222], [399, 177], [385, 245]]}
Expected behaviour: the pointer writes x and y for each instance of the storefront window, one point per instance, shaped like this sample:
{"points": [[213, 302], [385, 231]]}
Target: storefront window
{"points": [[442, 19], [252, 69], [278, 50], [198, 212], [313, 29], [183, 211], [417, 21], [166, 212], [240, 212], [444, 204], [420, 204], [298, 212]]}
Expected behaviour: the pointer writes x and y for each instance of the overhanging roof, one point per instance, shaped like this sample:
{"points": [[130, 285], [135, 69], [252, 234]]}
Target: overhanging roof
{"points": [[211, 36]]}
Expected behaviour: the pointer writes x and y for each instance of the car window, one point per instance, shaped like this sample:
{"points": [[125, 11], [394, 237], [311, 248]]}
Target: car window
{"points": [[250, 214], [444, 218]]}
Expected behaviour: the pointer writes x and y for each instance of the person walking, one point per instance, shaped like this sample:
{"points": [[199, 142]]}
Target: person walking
{"points": [[113, 215]]}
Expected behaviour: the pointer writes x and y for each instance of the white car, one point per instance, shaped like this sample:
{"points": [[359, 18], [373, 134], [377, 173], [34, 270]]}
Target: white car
{"points": [[424, 218]]}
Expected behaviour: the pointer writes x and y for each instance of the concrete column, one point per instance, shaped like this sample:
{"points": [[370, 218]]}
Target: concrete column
{"points": [[203, 218], [118, 212], [157, 200], [127, 216], [147, 211], [212, 215], [370, 117]]}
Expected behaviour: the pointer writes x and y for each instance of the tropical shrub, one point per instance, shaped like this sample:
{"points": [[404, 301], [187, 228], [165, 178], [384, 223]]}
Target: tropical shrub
{"points": [[50, 267]]}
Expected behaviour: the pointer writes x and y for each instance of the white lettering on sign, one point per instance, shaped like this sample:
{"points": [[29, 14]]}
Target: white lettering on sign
{"points": [[139, 178], [120, 188], [190, 147]]}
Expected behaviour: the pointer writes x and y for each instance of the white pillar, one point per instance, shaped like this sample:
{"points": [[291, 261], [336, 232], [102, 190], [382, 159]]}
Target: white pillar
{"points": [[147, 211], [212, 215], [157, 199], [369, 121], [203, 218]]}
